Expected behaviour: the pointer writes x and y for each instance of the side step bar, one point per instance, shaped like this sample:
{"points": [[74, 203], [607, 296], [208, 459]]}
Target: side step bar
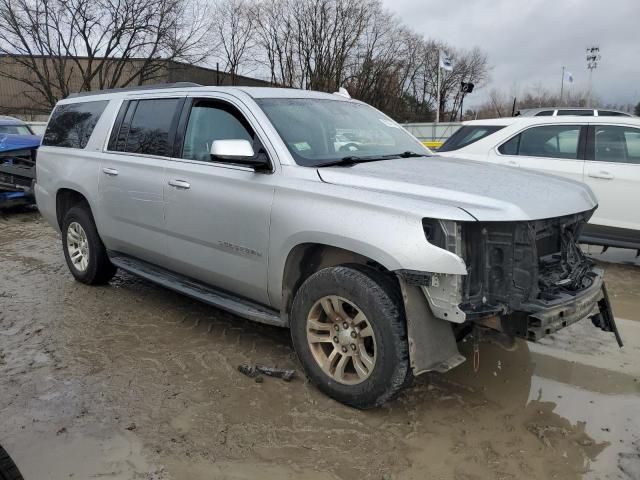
{"points": [[194, 289]]}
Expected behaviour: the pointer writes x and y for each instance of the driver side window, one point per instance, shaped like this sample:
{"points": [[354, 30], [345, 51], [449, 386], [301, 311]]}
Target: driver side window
{"points": [[553, 141], [209, 121]]}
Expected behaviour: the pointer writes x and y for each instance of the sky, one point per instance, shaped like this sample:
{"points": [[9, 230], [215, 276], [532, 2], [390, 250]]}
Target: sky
{"points": [[529, 41]]}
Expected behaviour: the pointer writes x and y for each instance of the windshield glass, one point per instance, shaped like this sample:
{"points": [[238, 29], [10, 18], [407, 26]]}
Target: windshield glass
{"points": [[15, 129], [467, 135], [318, 131]]}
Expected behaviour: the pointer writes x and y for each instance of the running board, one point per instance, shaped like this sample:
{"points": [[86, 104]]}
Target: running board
{"points": [[194, 289]]}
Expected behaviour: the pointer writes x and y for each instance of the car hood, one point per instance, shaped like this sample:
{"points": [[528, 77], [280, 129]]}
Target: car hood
{"points": [[488, 192], [11, 142]]}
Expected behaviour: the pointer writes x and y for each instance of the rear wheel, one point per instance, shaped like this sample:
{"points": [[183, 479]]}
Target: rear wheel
{"points": [[84, 251], [349, 331]]}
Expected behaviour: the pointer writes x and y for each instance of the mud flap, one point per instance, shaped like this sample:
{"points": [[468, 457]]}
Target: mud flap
{"points": [[605, 320], [432, 343]]}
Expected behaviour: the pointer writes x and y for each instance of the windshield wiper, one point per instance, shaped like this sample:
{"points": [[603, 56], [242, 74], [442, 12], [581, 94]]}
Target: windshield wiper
{"points": [[352, 159]]}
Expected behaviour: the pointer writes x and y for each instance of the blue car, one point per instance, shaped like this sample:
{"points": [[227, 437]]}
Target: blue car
{"points": [[18, 146]]}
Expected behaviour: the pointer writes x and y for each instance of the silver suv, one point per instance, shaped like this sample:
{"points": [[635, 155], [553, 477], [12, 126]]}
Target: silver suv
{"points": [[376, 254]]}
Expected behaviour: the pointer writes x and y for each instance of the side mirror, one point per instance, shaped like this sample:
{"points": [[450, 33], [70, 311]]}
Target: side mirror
{"points": [[238, 151]]}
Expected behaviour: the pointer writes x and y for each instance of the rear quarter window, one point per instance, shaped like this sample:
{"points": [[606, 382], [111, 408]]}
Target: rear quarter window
{"points": [[72, 124]]}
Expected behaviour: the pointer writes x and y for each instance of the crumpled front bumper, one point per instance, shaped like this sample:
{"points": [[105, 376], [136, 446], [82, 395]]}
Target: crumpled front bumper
{"points": [[538, 320]]}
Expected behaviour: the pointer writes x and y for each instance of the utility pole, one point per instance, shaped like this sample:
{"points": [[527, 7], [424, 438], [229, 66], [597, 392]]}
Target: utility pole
{"points": [[593, 57], [562, 86], [438, 91]]}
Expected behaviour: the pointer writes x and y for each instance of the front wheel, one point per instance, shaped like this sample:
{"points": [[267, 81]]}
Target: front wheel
{"points": [[349, 331]]}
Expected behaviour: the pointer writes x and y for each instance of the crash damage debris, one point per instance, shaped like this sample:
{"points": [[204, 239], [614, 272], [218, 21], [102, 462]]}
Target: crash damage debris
{"points": [[254, 371]]}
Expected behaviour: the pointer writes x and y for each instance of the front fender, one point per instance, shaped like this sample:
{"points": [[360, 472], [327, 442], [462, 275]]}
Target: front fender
{"points": [[396, 240]]}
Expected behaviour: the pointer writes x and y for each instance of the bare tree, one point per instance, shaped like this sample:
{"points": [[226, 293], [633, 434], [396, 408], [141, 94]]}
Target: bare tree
{"points": [[233, 27], [50, 44], [326, 44], [275, 38]]}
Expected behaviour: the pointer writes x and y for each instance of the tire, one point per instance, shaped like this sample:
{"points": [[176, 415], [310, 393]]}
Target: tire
{"points": [[8, 469], [79, 229], [365, 298]]}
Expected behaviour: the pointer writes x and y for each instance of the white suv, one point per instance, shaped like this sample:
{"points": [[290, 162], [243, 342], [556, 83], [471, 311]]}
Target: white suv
{"points": [[603, 152]]}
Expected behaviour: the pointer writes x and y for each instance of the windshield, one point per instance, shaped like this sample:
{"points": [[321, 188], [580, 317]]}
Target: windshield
{"points": [[319, 132], [15, 129], [467, 135]]}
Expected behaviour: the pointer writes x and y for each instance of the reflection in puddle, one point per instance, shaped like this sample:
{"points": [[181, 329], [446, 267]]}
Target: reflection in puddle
{"points": [[612, 421]]}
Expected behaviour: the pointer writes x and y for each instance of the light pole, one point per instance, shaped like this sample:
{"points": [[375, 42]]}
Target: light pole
{"points": [[593, 57]]}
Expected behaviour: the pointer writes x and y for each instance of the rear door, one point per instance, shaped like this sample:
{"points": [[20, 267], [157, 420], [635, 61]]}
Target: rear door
{"points": [[612, 170], [218, 212], [556, 149], [132, 177]]}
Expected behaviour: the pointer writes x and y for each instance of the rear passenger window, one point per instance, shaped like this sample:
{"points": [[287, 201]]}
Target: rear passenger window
{"points": [[545, 113], [71, 124], [147, 127], [150, 127]]}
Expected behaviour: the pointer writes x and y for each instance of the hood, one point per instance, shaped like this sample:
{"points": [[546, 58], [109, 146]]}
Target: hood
{"points": [[10, 142], [486, 191]]}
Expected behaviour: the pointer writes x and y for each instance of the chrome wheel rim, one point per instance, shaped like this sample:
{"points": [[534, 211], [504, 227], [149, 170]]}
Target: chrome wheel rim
{"points": [[341, 340], [78, 246]]}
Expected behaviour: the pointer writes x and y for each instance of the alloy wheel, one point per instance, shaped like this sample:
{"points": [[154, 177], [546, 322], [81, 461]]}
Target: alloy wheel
{"points": [[341, 340]]}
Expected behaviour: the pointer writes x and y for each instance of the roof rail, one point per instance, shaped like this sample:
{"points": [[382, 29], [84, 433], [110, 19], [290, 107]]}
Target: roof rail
{"points": [[157, 86]]}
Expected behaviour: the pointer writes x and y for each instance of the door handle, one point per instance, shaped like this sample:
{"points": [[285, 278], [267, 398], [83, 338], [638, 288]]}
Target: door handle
{"points": [[601, 174], [112, 172], [180, 184], [513, 163]]}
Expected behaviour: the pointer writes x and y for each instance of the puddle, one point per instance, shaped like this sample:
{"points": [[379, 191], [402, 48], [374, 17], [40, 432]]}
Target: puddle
{"points": [[64, 455]]}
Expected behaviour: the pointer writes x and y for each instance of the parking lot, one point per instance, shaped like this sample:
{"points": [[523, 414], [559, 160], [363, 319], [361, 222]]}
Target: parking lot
{"points": [[133, 381]]}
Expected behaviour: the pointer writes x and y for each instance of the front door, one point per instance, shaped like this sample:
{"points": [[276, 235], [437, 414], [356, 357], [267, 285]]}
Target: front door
{"points": [[218, 213], [555, 149]]}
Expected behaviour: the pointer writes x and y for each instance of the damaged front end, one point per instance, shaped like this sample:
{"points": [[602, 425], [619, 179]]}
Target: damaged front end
{"points": [[530, 279], [524, 279]]}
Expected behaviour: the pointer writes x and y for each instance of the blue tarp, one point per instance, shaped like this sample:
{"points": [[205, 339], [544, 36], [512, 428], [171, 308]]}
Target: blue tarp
{"points": [[10, 142]]}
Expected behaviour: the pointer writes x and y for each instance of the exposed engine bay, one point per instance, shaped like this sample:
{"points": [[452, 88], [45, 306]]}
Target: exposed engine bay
{"points": [[518, 265], [524, 279]]}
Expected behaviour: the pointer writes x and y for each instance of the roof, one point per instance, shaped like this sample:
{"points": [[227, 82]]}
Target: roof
{"points": [[6, 120], [503, 121], [534, 111], [506, 121], [186, 88]]}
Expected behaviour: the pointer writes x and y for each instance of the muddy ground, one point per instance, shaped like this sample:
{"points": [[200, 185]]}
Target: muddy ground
{"points": [[132, 381]]}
